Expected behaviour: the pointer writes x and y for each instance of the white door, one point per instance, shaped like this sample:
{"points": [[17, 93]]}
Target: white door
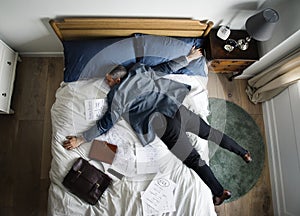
{"points": [[282, 120]]}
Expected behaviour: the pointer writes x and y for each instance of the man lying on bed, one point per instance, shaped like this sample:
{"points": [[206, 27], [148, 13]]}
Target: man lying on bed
{"points": [[141, 96]]}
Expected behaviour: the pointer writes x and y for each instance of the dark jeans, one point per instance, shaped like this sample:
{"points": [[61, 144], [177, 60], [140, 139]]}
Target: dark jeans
{"points": [[178, 143]]}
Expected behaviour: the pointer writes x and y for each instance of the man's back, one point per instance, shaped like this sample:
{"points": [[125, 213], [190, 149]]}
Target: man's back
{"points": [[142, 93]]}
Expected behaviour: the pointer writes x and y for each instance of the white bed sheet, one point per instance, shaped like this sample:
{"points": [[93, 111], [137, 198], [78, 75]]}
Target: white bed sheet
{"points": [[123, 197]]}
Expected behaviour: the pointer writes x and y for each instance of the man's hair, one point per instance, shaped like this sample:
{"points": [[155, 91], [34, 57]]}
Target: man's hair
{"points": [[118, 72]]}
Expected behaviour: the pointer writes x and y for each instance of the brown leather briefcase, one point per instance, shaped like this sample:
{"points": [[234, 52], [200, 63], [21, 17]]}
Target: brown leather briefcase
{"points": [[86, 181]]}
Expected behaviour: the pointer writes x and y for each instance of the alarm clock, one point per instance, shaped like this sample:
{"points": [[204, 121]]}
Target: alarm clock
{"points": [[223, 32]]}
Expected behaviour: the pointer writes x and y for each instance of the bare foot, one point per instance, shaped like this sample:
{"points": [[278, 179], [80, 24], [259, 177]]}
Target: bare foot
{"points": [[73, 142]]}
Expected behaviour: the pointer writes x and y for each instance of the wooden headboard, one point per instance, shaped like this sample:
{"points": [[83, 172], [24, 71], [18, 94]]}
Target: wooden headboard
{"points": [[75, 28]]}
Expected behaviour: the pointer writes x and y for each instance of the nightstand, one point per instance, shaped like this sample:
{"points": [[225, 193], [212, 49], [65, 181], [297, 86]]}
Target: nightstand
{"points": [[235, 62]]}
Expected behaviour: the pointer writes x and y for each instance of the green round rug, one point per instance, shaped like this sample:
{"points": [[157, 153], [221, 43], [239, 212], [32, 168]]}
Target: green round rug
{"points": [[231, 170]]}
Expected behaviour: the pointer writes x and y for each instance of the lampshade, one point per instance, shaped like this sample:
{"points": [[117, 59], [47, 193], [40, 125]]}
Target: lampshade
{"points": [[261, 25]]}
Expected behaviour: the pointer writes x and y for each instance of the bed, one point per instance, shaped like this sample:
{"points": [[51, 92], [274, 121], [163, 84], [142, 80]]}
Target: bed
{"points": [[92, 47]]}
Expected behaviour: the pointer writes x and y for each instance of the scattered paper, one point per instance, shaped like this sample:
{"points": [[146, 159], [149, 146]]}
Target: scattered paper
{"points": [[159, 197], [148, 158], [94, 109], [124, 161], [148, 209]]}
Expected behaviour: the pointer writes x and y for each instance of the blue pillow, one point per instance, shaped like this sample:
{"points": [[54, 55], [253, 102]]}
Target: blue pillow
{"points": [[154, 50], [86, 59]]}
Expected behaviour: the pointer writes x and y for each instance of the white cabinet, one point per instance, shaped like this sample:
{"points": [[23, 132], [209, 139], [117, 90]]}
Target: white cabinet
{"points": [[8, 62]]}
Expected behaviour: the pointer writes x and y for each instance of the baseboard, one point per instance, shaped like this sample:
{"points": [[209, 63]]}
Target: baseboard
{"points": [[41, 54]]}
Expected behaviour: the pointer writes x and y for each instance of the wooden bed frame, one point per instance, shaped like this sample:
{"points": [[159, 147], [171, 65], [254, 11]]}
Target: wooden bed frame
{"points": [[84, 27]]}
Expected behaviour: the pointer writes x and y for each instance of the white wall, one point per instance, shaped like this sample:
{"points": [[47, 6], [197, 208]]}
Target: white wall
{"points": [[286, 36], [24, 24]]}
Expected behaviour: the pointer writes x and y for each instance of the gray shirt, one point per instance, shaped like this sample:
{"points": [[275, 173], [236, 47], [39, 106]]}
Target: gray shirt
{"points": [[141, 94]]}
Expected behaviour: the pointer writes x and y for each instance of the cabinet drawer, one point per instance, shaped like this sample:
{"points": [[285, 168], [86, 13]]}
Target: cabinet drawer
{"points": [[1, 50], [8, 60], [6, 77], [5, 96], [225, 66], [8, 57]]}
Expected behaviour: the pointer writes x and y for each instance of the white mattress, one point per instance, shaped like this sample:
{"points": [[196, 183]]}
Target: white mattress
{"points": [[123, 197]]}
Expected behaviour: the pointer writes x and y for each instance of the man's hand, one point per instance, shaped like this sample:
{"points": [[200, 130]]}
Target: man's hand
{"points": [[194, 54], [73, 142]]}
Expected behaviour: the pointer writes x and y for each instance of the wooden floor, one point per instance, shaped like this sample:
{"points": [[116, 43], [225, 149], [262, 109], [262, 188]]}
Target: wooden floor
{"points": [[26, 136], [258, 201], [25, 139]]}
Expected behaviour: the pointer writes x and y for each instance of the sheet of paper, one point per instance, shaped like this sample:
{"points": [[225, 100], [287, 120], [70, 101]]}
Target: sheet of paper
{"points": [[124, 161], [159, 196], [148, 159], [147, 209], [94, 109]]}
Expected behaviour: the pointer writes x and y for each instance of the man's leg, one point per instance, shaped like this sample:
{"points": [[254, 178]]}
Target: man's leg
{"points": [[178, 143], [195, 124], [195, 162], [176, 139]]}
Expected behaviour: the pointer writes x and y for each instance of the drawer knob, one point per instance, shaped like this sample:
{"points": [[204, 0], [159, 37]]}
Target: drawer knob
{"points": [[9, 63], [4, 94]]}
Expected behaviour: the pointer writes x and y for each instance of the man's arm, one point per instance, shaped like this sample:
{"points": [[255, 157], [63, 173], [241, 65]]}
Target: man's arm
{"points": [[176, 64], [102, 125]]}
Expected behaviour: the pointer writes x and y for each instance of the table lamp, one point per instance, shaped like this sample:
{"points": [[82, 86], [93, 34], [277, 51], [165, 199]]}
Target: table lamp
{"points": [[259, 27]]}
